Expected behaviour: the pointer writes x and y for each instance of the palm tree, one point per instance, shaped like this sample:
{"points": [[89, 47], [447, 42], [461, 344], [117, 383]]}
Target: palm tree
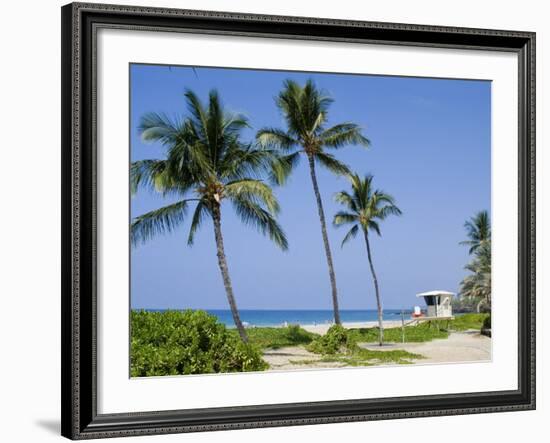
{"points": [[477, 285], [207, 159], [478, 230], [365, 209], [305, 112]]}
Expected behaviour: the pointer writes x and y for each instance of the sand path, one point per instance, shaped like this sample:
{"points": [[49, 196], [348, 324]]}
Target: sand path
{"points": [[468, 346], [295, 357], [464, 346]]}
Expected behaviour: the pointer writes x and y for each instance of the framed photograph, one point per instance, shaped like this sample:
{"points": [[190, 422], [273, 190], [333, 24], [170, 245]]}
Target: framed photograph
{"points": [[274, 221]]}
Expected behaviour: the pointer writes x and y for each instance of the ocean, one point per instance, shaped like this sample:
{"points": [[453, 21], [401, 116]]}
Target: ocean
{"points": [[257, 317]]}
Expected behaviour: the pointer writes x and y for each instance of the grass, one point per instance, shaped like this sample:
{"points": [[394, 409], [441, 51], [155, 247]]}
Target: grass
{"points": [[422, 332], [469, 321], [413, 334], [367, 357], [275, 338], [341, 345]]}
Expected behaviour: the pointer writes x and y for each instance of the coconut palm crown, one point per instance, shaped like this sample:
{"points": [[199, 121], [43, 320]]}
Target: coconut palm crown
{"points": [[206, 165], [305, 111], [365, 207], [478, 230]]}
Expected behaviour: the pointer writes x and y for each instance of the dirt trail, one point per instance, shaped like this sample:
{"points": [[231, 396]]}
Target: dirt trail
{"points": [[459, 347], [465, 346]]}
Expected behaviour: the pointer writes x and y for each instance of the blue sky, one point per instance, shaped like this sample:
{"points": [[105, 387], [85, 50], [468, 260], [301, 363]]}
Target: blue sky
{"points": [[431, 145]]}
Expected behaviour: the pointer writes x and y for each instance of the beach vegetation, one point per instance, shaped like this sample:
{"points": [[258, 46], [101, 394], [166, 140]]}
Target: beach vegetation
{"points": [[463, 304], [187, 342], [341, 345], [472, 321], [413, 334], [275, 338], [477, 284], [366, 207], [369, 357], [207, 165], [305, 111], [333, 342], [422, 332]]}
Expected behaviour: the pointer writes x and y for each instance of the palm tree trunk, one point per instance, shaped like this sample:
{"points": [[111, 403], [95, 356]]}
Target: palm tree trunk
{"points": [[377, 292], [222, 263], [325, 240]]}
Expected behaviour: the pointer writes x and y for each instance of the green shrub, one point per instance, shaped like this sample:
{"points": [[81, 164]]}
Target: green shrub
{"points": [[340, 345], [334, 341], [187, 342], [487, 323]]}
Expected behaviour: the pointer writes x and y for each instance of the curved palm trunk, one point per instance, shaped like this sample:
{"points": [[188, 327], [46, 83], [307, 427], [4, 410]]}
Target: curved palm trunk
{"points": [[222, 263], [325, 240], [377, 292]]}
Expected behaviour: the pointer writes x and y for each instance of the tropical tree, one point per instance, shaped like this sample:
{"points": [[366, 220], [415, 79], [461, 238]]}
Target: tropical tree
{"points": [[206, 165], [305, 111], [365, 207], [478, 230], [477, 285]]}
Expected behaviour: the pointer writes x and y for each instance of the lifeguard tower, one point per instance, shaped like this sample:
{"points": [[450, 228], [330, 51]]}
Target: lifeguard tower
{"points": [[439, 304]]}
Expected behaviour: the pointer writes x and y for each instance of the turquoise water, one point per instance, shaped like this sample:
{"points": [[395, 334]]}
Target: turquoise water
{"points": [[304, 317]]}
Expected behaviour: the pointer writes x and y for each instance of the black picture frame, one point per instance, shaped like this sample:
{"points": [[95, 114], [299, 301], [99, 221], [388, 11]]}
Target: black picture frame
{"points": [[80, 419]]}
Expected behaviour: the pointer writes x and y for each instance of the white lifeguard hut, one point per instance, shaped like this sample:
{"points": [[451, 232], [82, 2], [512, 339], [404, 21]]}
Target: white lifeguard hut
{"points": [[439, 303]]}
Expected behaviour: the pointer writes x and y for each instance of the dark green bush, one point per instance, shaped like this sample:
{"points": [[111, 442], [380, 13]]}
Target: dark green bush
{"points": [[333, 342], [187, 342], [487, 323]]}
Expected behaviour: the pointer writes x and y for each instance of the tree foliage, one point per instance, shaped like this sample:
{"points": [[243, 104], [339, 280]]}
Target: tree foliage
{"points": [[365, 207], [206, 164], [477, 284], [305, 110]]}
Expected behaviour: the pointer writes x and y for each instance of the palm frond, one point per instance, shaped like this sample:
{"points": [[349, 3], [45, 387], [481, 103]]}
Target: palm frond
{"points": [[478, 230], [253, 214], [385, 211], [282, 167], [158, 127], [253, 190], [350, 235], [233, 124], [159, 221], [198, 113], [373, 226], [343, 134], [332, 164], [201, 211], [275, 139], [290, 101], [342, 218], [347, 200], [315, 104], [240, 162], [146, 173]]}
